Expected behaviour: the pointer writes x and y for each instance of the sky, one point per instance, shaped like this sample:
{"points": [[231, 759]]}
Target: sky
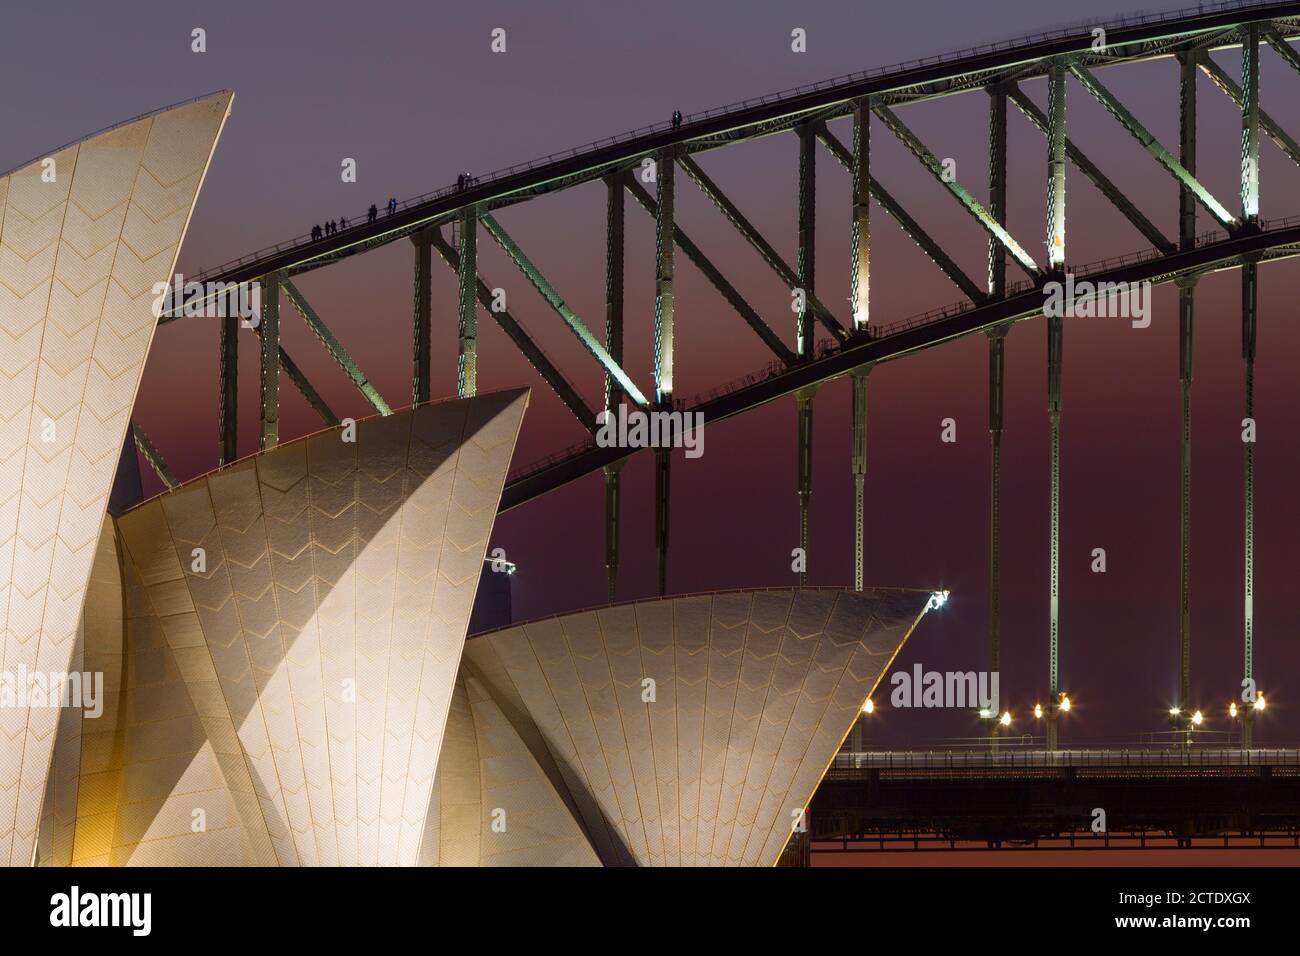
{"points": [[414, 94]]}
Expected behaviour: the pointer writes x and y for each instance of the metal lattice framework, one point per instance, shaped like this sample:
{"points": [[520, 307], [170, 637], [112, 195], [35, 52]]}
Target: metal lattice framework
{"points": [[1243, 240]]}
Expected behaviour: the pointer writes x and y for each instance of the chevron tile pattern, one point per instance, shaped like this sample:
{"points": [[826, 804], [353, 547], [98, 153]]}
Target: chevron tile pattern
{"points": [[312, 602], [492, 803], [84, 237], [685, 731]]}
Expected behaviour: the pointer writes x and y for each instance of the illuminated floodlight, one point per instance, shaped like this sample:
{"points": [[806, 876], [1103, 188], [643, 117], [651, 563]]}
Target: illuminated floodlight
{"points": [[1232, 709], [985, 713], [1065, 703], [869, 707], [1005, 719], [1259, 701], [1038, 711], [937, 600], [1174, 711], [1197, 718]]}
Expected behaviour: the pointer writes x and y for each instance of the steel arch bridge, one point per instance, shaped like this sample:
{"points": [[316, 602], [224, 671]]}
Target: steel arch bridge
{"points": [[654, 159]]}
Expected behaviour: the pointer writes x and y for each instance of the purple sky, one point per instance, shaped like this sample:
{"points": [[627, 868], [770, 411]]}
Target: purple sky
{"points": [[413, 93]]}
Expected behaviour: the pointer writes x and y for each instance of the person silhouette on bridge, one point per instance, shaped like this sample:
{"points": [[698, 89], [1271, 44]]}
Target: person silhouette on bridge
{"points": [[677, 119], [392, 205], [372, 214], [343, 222], [315, 233]]}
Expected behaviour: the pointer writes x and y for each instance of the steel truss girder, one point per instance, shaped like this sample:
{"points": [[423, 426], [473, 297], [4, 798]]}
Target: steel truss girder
{"points": [[308, 391], [860, 230], [152, 456], [1284, 49], [335, 348], [614, 246], [665, 217], [466, 318], [1249, 301], [1250, 114], [614, 236], [997, 253], [269, 366], [804, 403], [1222, 255], [228, 391], [859, 465], [299, 379], [1093, 174], [422, 328], [570, 318], [714, 275], [997, 369], [1152, 145], [765, 250], [932, 79], [1056, 167], [1270, 126], [958, 191], [531, 351], [1187, 63], [806, 265], [909, 225]]}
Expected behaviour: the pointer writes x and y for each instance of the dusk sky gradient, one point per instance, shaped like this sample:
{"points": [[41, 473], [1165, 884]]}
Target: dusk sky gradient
{"points": [[414, 94]]}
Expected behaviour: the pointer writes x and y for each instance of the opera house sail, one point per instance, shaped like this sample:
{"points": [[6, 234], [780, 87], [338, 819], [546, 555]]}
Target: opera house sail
{"points": [[86, 232]]}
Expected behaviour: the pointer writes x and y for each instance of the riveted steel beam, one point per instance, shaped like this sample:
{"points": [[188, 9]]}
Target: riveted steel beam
{"points": [[269, 367], [665, 213], [807, 248], [614, 236], [1056, 166], [997, 369], [997, 253], [1187, 63], [228, 391], [1054, 362], [715, 277], [153, 457], [536, 357], [308, 391], [932, 249], [1249, 301], [1284, 49], [859, 425], [1250, 124], [958, 191], [751, 235], [614, 244], [422, 326], [1093, 174], [663, 485], [804, 406], [466, 318], [570, 318], [335, 348], [1267, 124], [1152, 145], [997, 259], [860, 237], [299, 379]]}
